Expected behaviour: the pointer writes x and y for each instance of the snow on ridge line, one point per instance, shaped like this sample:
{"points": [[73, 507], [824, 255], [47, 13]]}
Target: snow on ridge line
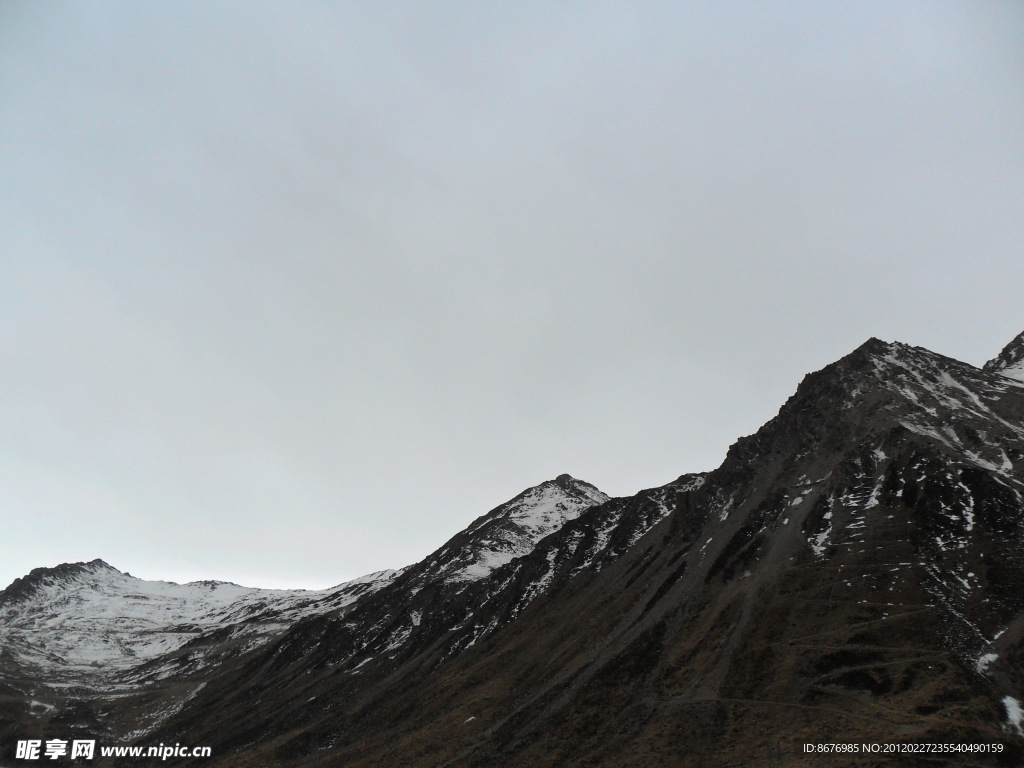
{"points": [[96, 571]]}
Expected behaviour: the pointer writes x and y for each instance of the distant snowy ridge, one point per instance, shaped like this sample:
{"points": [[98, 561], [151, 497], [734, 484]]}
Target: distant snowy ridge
{"points": [[83, 620]]}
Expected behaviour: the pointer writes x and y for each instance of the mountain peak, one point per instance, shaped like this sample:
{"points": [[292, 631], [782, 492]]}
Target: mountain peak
{"points": [[1009, 362], [874, 345], [514, 528]]}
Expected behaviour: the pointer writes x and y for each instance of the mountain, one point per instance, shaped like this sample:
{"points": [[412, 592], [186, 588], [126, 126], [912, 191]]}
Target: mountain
{"points": [[850, 574]]}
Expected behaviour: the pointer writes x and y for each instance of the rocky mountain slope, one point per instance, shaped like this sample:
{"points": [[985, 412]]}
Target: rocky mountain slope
{"points": [[851, 573]]}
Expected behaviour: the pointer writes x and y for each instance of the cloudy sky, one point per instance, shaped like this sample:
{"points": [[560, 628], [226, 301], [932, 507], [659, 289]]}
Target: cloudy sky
{"points": [[290, 292]]}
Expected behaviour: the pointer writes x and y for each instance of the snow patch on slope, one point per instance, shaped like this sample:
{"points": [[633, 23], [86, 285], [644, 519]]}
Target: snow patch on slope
{"points": [[1014, 714]]}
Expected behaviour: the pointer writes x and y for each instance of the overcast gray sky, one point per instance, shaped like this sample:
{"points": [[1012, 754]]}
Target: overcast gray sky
{"points": [[290, 292]]}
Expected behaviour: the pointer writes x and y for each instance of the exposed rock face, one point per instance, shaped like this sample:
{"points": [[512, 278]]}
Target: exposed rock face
{"points": [[851, 573]]}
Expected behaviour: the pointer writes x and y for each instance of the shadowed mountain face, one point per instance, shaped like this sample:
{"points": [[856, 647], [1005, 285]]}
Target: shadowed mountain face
{"points": [[851, 573]]}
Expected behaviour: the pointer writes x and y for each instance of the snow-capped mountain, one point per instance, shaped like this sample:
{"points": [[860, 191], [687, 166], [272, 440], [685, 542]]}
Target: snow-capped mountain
{"points": [[91, 624], [851, 573], [89, 628]]}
